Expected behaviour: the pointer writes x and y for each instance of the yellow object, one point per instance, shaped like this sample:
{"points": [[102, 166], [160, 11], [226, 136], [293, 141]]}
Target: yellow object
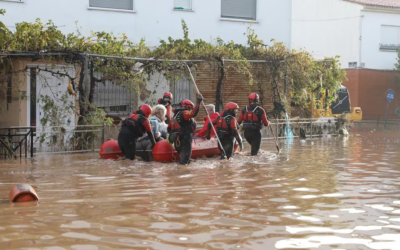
{"points": [[354, 115], [70, 90]]}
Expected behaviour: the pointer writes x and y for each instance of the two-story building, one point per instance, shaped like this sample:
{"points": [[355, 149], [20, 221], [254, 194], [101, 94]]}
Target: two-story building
{"points": [[365, 33], [153, 20]]}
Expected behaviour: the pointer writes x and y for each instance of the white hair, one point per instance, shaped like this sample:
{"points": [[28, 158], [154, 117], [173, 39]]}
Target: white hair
{"points": [[211, 106], [159, 110]]}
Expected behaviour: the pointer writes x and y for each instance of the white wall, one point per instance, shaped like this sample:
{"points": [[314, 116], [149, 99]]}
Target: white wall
{"points": [[155, 19], [372, 56], [157, 85], [327, 28]]}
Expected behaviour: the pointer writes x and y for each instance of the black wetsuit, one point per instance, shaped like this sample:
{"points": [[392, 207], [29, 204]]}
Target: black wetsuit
{"points": [[253, 116], [227, 132], [133, 127], [184, 125]]}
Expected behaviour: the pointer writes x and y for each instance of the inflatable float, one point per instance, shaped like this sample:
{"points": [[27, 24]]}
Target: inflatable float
{"points": [[165, 152], [110, 150]]}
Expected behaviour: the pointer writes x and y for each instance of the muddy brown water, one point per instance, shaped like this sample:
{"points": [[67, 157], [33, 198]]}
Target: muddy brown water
{"points": [[329, 193]]}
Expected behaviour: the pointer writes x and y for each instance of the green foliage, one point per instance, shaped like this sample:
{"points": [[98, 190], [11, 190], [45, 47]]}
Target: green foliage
{"points": [[297, 68], [55, 115], [97, 116], [4, 32]]}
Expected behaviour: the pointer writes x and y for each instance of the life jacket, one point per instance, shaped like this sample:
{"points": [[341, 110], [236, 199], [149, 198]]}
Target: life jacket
{"points": [[252, 117], [180, 125], [134, 124], [224, 125]]}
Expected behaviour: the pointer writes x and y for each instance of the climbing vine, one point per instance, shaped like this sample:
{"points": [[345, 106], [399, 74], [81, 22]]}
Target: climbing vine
{"points": [[287, 73]]}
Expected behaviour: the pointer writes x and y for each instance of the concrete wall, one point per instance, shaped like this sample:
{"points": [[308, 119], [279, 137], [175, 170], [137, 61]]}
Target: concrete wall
{"points": [[327, 28], [372, 86], [156, 19], [371, 55], [18, 113], [15, 113]]}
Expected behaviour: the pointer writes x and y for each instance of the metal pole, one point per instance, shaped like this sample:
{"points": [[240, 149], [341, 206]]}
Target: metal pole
{"points": [[31, 130], [387, 113], [312, 112], [26, 145], [377, 125]]}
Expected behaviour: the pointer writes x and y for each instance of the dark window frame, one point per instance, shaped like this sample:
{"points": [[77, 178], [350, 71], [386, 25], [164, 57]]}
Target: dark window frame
{"points": [[237, 17]]}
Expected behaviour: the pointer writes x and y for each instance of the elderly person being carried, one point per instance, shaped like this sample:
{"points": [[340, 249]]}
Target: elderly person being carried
{"points": [[213, 115], [159, 129]]}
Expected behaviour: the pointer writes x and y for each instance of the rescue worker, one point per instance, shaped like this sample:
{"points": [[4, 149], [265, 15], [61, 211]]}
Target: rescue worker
{"points": [[253, 117], [133, 127], [227, 130], [213, 115], [166, 101], [181, 127]]}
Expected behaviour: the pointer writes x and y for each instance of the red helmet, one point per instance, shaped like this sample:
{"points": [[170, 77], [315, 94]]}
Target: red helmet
{"points": [[168, 94], [254, 97], [231, 105], [146, 109], [187, 104]]}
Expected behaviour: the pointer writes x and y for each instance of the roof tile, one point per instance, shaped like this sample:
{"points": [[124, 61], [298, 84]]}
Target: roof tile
{"points": [[378, 3]]}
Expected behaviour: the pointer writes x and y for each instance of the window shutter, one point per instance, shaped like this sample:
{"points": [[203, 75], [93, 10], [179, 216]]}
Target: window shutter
{"points": [[390, 35], [183, 4], [243, 9], [112, 4]]}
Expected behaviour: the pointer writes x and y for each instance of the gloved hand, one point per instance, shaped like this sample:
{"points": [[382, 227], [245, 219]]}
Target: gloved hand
{"points": [[199, 98], [169, 141], [240, 146], [241, 127]]}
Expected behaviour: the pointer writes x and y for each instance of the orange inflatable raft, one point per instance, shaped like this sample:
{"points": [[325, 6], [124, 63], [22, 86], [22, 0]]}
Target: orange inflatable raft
{"points": [[165, 152]]}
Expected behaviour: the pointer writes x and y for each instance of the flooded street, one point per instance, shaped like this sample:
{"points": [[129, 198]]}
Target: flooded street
{"points": [[329, 193]]}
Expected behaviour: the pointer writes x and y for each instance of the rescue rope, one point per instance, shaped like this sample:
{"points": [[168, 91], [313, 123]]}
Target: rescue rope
{"points": [[204, 106]]}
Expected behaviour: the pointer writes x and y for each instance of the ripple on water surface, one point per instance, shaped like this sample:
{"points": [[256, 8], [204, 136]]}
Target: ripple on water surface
{"points": [[333, 193]]}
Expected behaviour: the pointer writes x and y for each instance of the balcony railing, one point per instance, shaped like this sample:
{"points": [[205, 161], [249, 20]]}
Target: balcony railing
{"points": [[393, 47]]}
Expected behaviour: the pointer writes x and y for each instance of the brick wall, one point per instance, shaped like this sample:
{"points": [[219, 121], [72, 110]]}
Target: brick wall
{"points": [[236, 87], [352, 85], [368, 88]]}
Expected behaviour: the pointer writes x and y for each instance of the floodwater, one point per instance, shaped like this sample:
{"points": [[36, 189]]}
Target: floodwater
{"points": [[329, 193]]}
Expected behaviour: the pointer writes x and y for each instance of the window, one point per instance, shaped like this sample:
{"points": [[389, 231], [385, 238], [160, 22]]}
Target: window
{"points": [[240, 9], [112, 4], [182, 87], [352, 64], [390, 35], [16, 1], [183, 4]]}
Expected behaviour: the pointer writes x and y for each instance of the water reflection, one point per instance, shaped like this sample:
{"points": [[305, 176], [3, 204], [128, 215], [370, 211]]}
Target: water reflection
{"points": [[331, 193]]}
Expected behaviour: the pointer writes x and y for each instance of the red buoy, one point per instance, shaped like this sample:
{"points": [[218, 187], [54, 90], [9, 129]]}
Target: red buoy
{"points": [[23, 193], [110, 150], [164, 152]]}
